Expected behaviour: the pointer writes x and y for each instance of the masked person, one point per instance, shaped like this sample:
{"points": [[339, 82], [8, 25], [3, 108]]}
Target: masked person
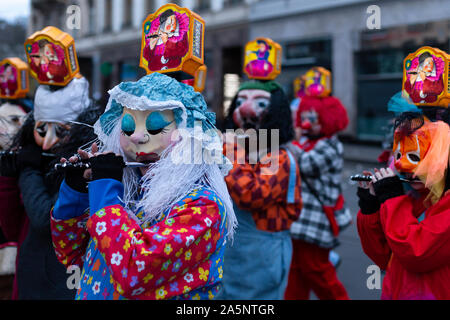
{"points": [[12, 226], [157, 232], [265, 187], [13, 110], [403, 222], [320, 156], [406, 232], [155, 229], [54, 129]]}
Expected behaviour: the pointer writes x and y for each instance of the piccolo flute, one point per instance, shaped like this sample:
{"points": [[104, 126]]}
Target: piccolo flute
{"points": [[360, 177], [87, 165]]}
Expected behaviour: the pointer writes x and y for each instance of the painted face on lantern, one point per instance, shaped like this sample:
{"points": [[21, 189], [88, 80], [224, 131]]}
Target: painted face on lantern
{"points": [[428, 65], [170, 24], [50, 134], [408, 151], [146, 134], [251, 105], [310, 124], [11, 119]]}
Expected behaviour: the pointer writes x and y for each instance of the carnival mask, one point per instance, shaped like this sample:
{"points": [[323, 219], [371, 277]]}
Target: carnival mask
{"points": [[250, 107], [146, 134], [50, 134], [11, 119], [410, 149], [310, 122]]}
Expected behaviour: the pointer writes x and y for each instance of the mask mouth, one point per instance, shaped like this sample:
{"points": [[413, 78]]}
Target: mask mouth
{"points": [[408, 177], [147, 158], [249, 123]]}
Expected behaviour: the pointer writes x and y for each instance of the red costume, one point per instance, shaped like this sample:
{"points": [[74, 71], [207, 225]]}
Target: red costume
{"points": [[415, 255], [314, 234], [409, 235]]}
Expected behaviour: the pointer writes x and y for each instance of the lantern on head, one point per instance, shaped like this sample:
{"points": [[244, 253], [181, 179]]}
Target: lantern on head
{"points": [[52, 56], [172, 43], [318, 82], [262, 59], [426, 77], [13, 78]]}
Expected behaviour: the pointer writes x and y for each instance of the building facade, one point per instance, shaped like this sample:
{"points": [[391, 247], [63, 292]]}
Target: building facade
{"points": [[366, 64], [108, 41]]}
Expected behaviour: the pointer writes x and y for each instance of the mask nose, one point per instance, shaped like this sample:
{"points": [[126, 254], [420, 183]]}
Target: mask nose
{"points": [[50, 139], [139, 138], [305, 125], [404, 165], [246, 110]]}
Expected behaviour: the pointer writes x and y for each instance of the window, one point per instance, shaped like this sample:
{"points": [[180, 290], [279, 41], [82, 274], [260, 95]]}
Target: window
{"points": [[127, 13], [92, 17], [231, 3], [108, 15]]}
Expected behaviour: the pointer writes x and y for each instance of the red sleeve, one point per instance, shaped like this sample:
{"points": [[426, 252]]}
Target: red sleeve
{"points": [[70, 239], [420, 247], [373, 239], [12, 213], [144, 263]]}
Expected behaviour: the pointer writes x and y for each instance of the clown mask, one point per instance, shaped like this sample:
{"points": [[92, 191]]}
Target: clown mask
{"points": [[146, 134], [49, 135], [409, 150], [310, 124], [11, 119], [251, 105]]}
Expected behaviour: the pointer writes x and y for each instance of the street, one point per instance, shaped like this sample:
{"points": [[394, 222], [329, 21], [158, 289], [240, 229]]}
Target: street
{"points": [[353, 268]]}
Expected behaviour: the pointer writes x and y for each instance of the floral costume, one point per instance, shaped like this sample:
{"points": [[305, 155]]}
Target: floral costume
{"points": [[177, 253]]}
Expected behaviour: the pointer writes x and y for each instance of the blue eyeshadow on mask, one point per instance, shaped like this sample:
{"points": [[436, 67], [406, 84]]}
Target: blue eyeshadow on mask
{"points": [[128, 124], [156, 121]]}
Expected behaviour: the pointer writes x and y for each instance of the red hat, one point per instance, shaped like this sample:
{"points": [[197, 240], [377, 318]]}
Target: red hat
{"points": [[332, 114]]}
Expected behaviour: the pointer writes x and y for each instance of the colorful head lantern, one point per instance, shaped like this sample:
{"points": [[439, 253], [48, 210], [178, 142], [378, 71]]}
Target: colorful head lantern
{"points": [[13, 78], [421, 149], [172, 42], [52, 57], [425, 77], [262, 59], [318, 82]]}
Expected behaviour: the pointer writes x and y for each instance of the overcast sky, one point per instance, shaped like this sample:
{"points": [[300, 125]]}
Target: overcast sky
{"points": [[11, 9]]}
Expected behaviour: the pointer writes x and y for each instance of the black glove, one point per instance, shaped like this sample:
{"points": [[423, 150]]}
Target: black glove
{"points": [[75, 180], [29, 156], [367, 202], [387, 188], [107, 166], [8, 164]]}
